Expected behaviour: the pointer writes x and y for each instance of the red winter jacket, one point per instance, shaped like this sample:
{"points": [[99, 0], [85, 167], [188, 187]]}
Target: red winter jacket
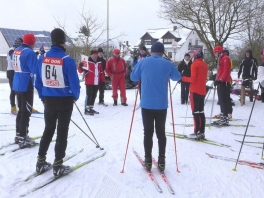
{"points": [[199, 70], [93, 72], [224, 69], [115, 66]]}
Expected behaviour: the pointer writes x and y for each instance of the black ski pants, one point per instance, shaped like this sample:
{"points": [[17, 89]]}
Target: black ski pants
{"points": [[197, 105], [25, 103], [10, 75], [154, 118], [184, 92], [58, 110], [91, 92], [223, 90], [101, 91]]}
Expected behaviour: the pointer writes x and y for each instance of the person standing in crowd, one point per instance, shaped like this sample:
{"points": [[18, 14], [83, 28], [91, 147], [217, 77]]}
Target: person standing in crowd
{"points": [[261, 76], [249, 70], [223, 81], [116, 70], [10, 74], [93, 75], [58, 87], [185, 70], [101, 83], [24, 64], [154, 73], [197, 82]]}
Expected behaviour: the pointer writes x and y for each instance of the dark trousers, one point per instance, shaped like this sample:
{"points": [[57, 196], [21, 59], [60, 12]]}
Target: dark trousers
{"points": [[197, 105], [10, 75], [101, 92], [184, 91], [223, 90], [150, 119], [58, 110], [25, 102], [230, 107], [91, 92]]}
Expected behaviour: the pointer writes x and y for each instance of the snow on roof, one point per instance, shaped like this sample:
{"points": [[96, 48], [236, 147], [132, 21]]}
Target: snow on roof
{"points": [[40, 35]]}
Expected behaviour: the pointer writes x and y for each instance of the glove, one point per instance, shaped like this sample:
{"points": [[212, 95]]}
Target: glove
{"points": [[80, 64], [216, 83]]}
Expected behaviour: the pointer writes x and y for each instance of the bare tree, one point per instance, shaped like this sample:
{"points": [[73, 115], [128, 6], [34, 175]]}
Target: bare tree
{"points": [[214, 20]]}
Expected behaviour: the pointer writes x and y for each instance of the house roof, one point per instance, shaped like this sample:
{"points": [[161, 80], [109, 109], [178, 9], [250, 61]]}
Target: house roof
{"points": [[42, 37]]}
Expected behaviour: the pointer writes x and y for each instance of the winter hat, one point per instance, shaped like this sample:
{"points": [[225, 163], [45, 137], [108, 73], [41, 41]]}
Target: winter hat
{"points": [[93, 51], [198, 54], [187, 54], [218, 48], [18, 42], [57, 36], [143, 47], [226, 52], [116, 51], [249, 51], [29, 39], [157, 47], [100, 49]]}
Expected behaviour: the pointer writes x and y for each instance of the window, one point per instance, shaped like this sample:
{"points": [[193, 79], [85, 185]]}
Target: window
{"points": [[170, 54], [190, 41], [196, 42], [168, 40], [147, 42]]}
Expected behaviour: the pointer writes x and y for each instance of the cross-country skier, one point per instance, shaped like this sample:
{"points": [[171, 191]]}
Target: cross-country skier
{"points": [[24, 63], [197, 81], [10, 74], [93, 76], [116, 70], [101, 83], [154, 73], [58, 87], [223, 81]]}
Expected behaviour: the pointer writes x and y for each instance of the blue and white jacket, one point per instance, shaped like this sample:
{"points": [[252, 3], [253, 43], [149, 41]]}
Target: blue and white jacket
{"points": [[154, 73], [24, 63], [56, 75]]}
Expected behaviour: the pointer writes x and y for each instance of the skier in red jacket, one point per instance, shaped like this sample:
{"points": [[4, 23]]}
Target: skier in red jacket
{"points": [[116, 70], [93, 75]]}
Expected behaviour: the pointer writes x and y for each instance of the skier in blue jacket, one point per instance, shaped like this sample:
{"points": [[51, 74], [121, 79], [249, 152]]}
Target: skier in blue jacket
{"points": [[24, 63], [58, 87], [154, 72]]}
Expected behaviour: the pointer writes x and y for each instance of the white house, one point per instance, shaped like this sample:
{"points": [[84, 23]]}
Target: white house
{"points": [[177, 41]]}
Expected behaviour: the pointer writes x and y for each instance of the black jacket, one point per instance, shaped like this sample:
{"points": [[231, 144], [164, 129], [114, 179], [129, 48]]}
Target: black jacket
{"points": [[248, 68], [103, 62], [184, 69]]}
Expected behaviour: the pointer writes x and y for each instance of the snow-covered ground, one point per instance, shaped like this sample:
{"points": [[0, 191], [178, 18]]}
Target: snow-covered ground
{"points": [[200, 175]]}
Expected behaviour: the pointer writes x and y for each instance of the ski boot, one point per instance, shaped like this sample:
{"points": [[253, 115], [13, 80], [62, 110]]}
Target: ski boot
{"points": [[59, 169], [201, 135], [161, 163], [124, 104], [148, 163], [222, 122], [194, 136], [115, 103], [93, 111], [26, 142], [42, 166], [14, 110], [218, 116], [87, 111], [18, 138]]}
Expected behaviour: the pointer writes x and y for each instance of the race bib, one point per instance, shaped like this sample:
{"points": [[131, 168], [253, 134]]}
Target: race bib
{"points": [[52, 75], [16, 60]]}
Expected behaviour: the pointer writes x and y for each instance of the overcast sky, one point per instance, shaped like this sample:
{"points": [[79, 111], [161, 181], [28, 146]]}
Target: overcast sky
{"points": [[133, 17]]}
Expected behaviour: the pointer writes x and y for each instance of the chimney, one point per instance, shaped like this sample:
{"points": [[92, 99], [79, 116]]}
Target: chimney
{"points": [[174, 28], [126, 43]]}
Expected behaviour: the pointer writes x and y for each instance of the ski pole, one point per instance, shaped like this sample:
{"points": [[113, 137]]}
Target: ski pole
{"points": [[130, 130], [173, 128], [174, 88], [207, 95], [98, 146], [234, 169], [211, 115], [84, 132]]}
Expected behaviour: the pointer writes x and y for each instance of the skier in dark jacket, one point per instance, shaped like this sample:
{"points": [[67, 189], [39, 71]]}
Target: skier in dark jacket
{"points": [[185, 70], [249, 70], [101, 84]]}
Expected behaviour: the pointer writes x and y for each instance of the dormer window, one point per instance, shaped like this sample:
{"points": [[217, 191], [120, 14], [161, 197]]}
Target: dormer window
{"points": [[168, 41]]}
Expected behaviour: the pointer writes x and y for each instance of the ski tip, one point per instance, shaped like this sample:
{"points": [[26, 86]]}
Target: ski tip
{"points": [[234, 169], [178, 171]]}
